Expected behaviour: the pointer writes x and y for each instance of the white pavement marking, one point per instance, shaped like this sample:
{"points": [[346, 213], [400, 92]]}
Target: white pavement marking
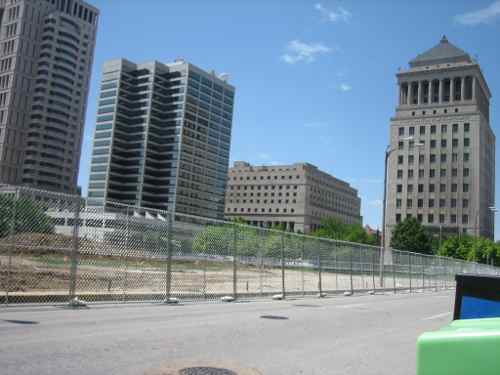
{"points": [[437, 316]]}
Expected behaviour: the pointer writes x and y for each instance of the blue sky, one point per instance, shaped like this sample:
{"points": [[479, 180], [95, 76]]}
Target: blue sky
{"points": [[315, 80]]}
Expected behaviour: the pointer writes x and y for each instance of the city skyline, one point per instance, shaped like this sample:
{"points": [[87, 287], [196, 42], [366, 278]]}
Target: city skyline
{"points": [[304, 85]]}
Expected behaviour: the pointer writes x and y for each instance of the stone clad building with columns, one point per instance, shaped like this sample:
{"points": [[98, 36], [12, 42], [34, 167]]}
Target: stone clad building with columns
{"points": [[441, 165]]}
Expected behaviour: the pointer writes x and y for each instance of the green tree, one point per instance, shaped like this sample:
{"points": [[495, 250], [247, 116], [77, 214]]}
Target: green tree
{"points": [[337, 230], [409, 235], [474, 249], [30, 216]]}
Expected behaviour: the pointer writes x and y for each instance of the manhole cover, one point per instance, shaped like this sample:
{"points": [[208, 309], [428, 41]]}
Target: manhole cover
{"points": [[276, 317], [199, 367], [206, 371]]}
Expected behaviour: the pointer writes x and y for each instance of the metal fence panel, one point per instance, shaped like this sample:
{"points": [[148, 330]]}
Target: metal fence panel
{"points": [[54, 248]]}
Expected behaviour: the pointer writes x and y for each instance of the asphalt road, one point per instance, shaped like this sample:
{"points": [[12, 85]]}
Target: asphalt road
{"points": [[341, 335]]}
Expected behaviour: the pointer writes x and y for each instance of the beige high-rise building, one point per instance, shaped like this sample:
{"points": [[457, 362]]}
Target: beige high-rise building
{"points": [[296, 197], [46, 55], [441, 166]]}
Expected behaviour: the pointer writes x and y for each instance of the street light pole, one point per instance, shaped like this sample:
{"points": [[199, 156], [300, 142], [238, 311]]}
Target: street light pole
{"points": [[384, 203], [388, 152]]}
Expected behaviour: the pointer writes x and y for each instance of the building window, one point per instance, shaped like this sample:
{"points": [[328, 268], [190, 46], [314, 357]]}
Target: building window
{"points": [[466, 188], [454, 157], [420, 203], [466, 172], [443, 158], [466, 156], [453, 219], [421, 159], [410, 159], [442, 203], [431, 203], [419, 218], [398, 218], [432, 173], [401, 145], [409, 203], [442, 173], [411, 130], [465, 203], [398, 203], [466, 142], [420, 188], [432, 158], [431, 188], [454, 172], [442, 188], [422, 130], [400, 159], [444, 128], [441, 219], [443, 142], [466, 127], [410, 173], [401, 131], [399, 188], [430, 218], [420, 173], [410, 188], [453, 203], [454, 128], [400, 173], [465, 219], [433, 143], [454, 188], [433, 129]]}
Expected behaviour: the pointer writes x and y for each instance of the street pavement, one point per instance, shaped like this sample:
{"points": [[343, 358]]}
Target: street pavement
{"points": [[360, 334]]}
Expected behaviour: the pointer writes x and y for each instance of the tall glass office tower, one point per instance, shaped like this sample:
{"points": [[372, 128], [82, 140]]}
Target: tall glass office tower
{"points": [[46, 55], [162, 137]]}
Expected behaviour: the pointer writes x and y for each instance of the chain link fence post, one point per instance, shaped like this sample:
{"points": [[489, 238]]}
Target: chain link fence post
{"points": [[381, 266], [12, 247], [123, 255], [409, 270], [74, 252], [374, 258], [394, 285], [168, 275], [351, 254], [283, 291], [424, 259], [320, 285], [235, 261], [302, 256], [336, 267]]}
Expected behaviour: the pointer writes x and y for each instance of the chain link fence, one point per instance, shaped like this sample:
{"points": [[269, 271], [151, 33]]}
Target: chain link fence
{"points": [[54, 248]]}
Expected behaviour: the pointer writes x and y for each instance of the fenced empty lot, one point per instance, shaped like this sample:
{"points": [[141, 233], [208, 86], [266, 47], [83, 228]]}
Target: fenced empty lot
{"points": [[54, 248]]}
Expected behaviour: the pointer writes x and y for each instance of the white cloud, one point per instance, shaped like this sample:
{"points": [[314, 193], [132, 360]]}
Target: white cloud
{"points": [[345, 87], [484, 15], [300, 51], [336, 15]]}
